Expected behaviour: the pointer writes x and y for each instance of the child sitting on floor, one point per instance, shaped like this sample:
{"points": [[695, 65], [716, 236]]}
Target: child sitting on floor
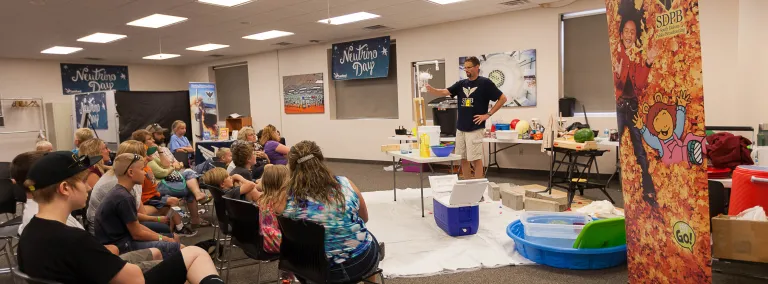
{"points": [[245, 189]]}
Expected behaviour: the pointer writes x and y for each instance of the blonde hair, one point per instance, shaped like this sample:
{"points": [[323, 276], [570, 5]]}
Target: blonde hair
{"points": [[215, 176], [123, 161], [244, 132], [131, 147], [222, 152], [42, 145], [92, 148], [141, 135], [269, 133], [177, 124], [310, 178], [46, 194], [274, 183], [83, 134]]}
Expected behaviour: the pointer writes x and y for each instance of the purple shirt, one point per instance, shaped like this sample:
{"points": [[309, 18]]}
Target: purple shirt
{"points": [[274, 157]]}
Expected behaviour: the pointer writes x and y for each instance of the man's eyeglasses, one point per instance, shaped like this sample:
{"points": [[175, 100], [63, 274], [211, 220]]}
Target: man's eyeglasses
{"points": [[135, 158], [469, 67]]}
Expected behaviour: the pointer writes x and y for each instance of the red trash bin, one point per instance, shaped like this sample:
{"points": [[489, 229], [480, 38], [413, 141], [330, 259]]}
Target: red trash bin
{"points": [[749, 189]]}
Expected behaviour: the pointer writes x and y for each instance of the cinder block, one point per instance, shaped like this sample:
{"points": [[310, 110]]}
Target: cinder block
{"points": [[532, 190], [512, 199], [556, 196], [494, 191], [535, 204]]}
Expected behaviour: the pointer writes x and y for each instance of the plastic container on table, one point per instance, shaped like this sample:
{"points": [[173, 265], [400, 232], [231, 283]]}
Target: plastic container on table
{"points": [[568, 258], [413, 167], [749, 189], [443, 151], [558, 229], [502, 126]]}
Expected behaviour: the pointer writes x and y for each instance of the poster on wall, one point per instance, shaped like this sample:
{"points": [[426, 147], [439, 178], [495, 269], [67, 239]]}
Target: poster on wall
{"points": [[657, 70], [361, 59], [82, 78], [514, 73], [205, 115], [303, 94], [95, 106]]}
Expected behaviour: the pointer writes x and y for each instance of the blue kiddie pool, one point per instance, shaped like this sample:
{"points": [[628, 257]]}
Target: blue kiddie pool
{"points": [[568, 258]]}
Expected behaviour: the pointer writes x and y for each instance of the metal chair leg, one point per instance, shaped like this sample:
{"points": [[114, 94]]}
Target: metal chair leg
{"points": [[229, 259], [258, 274]]}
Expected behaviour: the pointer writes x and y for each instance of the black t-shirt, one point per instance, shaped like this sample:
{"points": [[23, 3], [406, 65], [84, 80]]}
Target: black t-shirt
{"points": [[473, 99], [115, 212], [245, 173], [54, 251]]}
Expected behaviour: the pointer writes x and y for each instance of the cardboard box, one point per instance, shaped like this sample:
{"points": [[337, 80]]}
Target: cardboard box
{"points": [[739, 239], [512, 199], [535, 204], [494, 191]]}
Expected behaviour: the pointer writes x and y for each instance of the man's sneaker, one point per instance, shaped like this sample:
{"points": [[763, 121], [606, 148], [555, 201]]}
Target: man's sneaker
{"points": [[186, 232]]}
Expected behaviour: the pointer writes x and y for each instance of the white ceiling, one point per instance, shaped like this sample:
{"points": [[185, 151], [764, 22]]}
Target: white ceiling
{"points": [[30, 26]]}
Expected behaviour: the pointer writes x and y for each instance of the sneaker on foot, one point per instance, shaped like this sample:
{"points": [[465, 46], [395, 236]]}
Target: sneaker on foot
{"points": [[186, 232], [381, 251]]}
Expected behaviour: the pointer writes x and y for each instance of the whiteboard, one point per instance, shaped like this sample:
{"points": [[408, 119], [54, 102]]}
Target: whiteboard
{"points": [[109, 135]]}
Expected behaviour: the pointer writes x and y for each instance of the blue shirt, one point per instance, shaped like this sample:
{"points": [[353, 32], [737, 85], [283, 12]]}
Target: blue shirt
{"points": [[178, 142]]}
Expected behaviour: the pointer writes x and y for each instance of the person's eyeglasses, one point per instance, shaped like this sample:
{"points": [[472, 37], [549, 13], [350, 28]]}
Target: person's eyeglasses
{"points": [[469, 67], [136, 157]]}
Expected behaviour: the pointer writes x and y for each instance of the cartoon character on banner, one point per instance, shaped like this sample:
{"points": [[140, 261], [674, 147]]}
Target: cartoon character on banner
{"points": [[663, 129]]}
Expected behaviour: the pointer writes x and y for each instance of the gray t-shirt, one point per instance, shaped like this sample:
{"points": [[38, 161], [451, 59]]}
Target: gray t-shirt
{"points": [[116, 211], [242, 172], [105, 184]]}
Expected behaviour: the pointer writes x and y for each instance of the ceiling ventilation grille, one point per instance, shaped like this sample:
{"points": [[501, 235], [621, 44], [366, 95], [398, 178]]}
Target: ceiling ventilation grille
{"points": [[377, 28], [216, 55], [283, 43], [93, 58], [515, 3]]}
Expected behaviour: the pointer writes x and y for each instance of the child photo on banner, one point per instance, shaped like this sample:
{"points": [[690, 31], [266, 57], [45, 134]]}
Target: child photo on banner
{"points": [[657, 72]]}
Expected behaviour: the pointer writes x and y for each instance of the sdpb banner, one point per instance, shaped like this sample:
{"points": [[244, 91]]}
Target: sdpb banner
{"points": [[656, 54], [205, 114]]}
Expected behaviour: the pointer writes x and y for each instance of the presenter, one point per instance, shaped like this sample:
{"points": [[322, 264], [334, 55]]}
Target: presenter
{"points": [[474, 95]]}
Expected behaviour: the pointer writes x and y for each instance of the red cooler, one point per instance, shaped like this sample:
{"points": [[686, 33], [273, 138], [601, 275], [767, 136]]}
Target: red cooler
{"points": [[749, 189]]}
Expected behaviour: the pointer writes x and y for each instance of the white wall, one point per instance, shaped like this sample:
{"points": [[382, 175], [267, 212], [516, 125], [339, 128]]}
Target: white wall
{"points": [[752, 62], [42, 79], [538, 28]]}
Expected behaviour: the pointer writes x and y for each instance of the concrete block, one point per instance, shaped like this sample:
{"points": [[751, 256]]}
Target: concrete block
{"points": [[556, 196], [494, 191], [512, 199], [535, 204]]}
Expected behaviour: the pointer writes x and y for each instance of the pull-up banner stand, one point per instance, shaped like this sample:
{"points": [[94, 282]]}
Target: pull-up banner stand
{"points": [[656, 55]]}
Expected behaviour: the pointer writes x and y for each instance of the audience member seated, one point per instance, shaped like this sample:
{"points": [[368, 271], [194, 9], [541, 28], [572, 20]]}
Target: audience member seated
{"points": [[148, 139], [335, 202], [180, 183], [282, 139], [82, 135], [243, 159], [222, 159], [270, 140], [117, 220], [145, 259], [44, 145], [179, 142], [274, 184], [235, 186], [162, 220], [247, 134], [91, 148], [158, 135]]}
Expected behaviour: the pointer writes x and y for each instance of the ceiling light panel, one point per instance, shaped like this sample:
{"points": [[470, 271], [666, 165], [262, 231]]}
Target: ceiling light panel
{"points": [[207, 47], [225, 3], [102, 38], [161, 56], [443, 2], [157, 21], [268, 35], [350, 18], [61, 50]]}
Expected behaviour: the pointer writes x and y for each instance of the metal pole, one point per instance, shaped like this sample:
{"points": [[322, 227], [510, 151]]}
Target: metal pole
{"points": [[421, 181], [394, 177]]}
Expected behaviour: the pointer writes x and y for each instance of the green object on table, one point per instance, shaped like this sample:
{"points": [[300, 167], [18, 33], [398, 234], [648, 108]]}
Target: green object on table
{"points": [[584, 135], [603, 233]]}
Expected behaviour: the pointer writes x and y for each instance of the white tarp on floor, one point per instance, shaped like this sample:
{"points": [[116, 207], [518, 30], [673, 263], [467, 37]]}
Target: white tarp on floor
{"points": [[415, 246]]}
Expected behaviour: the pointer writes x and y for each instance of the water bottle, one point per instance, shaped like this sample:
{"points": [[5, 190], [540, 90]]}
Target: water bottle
{"points": [[606, 133]]}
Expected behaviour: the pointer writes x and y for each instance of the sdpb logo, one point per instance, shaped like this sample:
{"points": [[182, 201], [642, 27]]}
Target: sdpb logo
{"points": [[684, 235]]}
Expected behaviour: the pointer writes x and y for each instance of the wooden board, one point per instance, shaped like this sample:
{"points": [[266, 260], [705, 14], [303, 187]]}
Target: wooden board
{"points": [[567, 144]]}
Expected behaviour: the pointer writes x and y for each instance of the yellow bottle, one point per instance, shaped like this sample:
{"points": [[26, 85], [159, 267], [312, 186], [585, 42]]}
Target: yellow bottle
{"points": [[424, 150]]}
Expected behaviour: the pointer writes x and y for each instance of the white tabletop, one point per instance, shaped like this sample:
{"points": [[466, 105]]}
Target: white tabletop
{"points": [[453, 139], [414, 157]]}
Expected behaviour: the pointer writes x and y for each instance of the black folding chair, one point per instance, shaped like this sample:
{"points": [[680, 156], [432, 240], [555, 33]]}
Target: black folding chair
{"points": [[302, 252], [182, 157], [18, 275], [222, 235], [246, 233]]}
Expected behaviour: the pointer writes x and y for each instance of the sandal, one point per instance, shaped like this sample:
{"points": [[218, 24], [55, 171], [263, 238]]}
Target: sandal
{"points": [[203, 223], [205, 200]]}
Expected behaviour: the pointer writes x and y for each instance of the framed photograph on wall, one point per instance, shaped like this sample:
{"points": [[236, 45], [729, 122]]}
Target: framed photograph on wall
{"points": [[514, 73], [303, 94]]}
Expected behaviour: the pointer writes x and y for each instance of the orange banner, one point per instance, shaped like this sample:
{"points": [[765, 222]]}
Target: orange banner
{"points": [[657, 71]]}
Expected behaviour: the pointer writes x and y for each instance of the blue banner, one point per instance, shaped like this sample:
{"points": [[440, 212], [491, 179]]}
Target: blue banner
{"points": [[362, 59], [95, 105], [205, 115], [81, 78]]}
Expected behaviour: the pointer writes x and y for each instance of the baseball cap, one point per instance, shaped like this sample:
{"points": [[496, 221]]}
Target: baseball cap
{"points": [[155, 127], [55, 167]]}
